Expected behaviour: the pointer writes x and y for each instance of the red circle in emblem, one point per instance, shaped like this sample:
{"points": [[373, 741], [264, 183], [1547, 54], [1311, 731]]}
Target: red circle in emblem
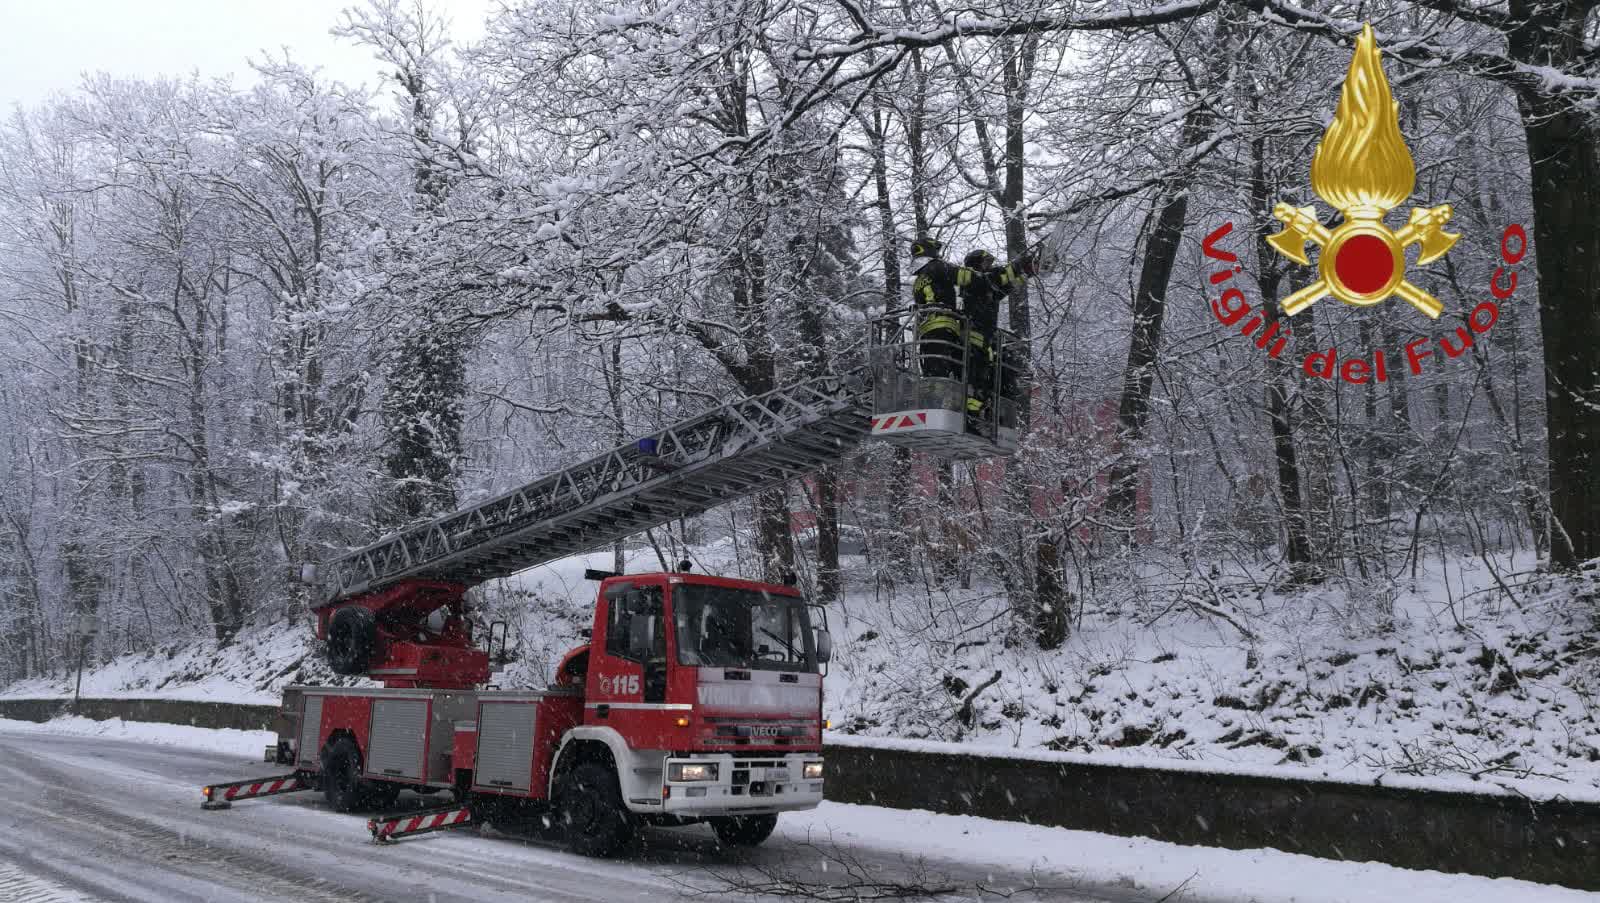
{"points": [[1364, 264]]}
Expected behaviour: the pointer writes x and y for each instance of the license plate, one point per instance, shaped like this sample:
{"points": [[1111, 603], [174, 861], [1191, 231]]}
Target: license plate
{"points": [[777, 774]]}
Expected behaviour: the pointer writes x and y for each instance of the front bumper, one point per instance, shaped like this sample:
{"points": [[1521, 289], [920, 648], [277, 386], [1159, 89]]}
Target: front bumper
{"points": [[744, 785]]}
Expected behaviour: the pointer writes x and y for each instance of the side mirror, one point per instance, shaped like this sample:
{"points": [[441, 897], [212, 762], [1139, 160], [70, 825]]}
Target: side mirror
{"points": [[641, 636], [824, 645]]}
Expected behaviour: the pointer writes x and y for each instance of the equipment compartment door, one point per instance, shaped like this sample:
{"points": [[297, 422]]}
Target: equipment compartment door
{"points": [[399, 738], [310, 753], [506, 732]]}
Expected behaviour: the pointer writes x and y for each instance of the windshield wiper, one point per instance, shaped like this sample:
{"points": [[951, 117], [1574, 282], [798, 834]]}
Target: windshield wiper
{"points": [[786, 644]]}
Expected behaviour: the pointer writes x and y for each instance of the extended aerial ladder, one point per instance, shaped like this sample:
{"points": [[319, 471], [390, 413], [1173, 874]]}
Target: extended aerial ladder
{"points": [[375, 603]]}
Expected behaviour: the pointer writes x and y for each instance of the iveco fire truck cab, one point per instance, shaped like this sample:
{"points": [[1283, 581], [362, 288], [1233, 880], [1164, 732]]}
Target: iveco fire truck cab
{"points": [[707, 694]]}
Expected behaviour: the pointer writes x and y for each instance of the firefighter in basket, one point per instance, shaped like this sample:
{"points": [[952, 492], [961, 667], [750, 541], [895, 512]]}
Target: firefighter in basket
{"points": [[986, 285], [934, 290]]}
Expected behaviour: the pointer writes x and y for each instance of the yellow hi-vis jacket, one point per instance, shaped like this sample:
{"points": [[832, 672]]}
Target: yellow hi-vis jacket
{"points": [[935, 291]]}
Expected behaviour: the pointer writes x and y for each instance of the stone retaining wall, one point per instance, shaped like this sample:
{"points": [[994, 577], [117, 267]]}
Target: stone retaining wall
{"points": [[1552, 842]]}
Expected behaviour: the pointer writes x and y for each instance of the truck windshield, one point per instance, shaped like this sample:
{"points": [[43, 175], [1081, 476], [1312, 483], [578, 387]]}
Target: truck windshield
{"points": [[720, 627]]}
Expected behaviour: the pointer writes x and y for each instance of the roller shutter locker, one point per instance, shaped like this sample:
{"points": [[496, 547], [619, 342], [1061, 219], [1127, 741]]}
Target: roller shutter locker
{"points": [[398, 739], [309, 752], [505, 745]]}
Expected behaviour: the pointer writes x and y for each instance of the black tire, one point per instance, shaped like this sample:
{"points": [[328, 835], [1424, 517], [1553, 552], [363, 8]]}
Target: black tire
{"points": [[341, 776], [352, 635], [380, 795], [744, 830], [508, 815], [589, 809]]}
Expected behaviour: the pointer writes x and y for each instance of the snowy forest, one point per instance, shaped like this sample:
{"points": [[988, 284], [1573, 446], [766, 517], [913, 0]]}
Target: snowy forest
{"points": [[248, 328]]}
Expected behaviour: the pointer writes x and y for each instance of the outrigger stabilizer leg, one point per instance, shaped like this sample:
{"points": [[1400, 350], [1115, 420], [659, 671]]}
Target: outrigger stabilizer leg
{"points": [[386, 828], [222, 796]]}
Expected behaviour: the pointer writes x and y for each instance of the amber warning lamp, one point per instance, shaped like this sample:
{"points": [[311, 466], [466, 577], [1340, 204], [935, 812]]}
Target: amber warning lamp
{"points": [[1363, 168]]}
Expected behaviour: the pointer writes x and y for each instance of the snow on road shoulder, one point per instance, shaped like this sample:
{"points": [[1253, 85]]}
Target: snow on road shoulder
{"points": [[1140, 864], [218, 740]]}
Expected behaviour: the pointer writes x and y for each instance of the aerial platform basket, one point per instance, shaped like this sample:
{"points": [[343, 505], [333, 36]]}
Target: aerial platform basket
{"points": [[954, 398]]}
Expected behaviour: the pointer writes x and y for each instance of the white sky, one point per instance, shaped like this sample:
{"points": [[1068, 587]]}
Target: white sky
{"points": [[47, 45]]}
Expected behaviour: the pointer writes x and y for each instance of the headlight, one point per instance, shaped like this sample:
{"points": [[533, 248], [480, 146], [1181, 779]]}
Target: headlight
{"points": [[692, 771], [813, 771]]}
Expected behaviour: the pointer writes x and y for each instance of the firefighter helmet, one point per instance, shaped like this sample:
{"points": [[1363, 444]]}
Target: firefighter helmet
{"points": [[923, 246], [979, 260]]}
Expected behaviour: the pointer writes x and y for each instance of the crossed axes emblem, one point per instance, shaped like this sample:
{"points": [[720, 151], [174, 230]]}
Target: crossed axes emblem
{"points": [[1351, 266]]}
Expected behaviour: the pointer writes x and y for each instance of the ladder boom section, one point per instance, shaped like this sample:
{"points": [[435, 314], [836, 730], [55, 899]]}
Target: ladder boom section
{"points": [[690, 467]]}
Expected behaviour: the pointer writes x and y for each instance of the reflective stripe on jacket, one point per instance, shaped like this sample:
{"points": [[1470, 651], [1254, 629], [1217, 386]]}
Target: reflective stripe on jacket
{"points": [[936, 321]]}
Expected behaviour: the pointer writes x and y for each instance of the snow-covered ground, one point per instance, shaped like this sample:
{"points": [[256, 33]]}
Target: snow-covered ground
{"points": [[248, 744], [1447, 678], [161, 764], [1464, 676]]}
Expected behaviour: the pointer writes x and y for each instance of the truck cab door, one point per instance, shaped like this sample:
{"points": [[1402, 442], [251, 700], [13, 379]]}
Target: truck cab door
{"points": [[627, 671]]}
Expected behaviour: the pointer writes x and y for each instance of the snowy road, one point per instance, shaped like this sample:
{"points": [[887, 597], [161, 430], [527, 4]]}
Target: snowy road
{"points": [[99, 819], [109, 811]]}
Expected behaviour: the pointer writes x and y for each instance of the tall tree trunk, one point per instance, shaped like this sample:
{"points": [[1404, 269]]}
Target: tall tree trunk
{"points": [[27, 642], [1532, 478], [822, 251], [891, 511], [919, 524], [221, 581], [774, 540], [1297, 542], [1169, 211], [1319, 435], [611, 368], [1297, 547], [1562, 148], [1373, 493], [827, 497], [84, 580]]}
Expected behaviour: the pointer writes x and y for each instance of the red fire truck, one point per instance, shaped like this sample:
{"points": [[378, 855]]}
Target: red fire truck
{"points": [[697, 698]]}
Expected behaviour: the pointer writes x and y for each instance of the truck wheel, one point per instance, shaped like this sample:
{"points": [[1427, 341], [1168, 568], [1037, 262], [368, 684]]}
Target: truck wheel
{"points": [[380, 795], [352, 634], [744, 830], [506, 815], [589, 808], [341, 776]]}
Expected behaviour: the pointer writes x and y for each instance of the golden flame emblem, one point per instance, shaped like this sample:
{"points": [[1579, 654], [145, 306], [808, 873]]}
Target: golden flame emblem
{"points": [[1363, 169]]}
